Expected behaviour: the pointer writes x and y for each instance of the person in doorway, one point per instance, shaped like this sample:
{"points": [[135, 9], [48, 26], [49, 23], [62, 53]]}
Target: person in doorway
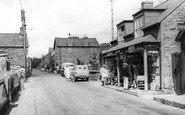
{"points": [[125, 75], [135, 76], [130, 74], [103, 73]]}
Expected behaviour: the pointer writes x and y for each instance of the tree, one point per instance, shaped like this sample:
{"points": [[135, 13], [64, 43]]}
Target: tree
{"points": [[36, 62], [104, 46]]}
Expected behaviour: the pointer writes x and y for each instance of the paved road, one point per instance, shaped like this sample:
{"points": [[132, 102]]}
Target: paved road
{"points": [[50, 94]]}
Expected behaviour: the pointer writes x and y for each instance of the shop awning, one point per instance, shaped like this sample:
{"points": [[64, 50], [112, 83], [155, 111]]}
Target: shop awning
{"points": [[144, 39]]}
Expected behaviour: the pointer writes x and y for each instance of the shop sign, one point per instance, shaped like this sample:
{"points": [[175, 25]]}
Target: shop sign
{"points": [[181, 25], [118, 51], [109, 54], [131, 48], [151, 46]]}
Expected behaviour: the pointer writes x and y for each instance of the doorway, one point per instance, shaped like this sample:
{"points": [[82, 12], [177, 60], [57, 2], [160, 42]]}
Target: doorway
{"points": [[178, 70]]}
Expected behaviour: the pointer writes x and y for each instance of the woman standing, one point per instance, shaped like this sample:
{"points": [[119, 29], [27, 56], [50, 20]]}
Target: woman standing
{"points": [[104, 74]]}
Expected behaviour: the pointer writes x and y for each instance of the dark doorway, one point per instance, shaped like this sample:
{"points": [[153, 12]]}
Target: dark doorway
{"points": [[178, 70]]}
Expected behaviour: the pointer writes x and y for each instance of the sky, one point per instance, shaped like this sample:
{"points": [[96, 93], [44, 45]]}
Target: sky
{"points": [[47, 19]]}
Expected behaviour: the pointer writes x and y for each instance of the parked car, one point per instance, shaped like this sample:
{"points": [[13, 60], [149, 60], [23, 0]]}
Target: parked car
{"points": [[4, 101], [64, 65], [80, 72]]}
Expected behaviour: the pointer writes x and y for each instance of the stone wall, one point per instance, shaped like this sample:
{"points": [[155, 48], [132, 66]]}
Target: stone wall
{"points": [[17, 54], [84, 54], [169, 33], [57, 56]]}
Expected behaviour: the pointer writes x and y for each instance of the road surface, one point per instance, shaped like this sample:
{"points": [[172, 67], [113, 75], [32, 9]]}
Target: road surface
{"points": [[50, 94]]}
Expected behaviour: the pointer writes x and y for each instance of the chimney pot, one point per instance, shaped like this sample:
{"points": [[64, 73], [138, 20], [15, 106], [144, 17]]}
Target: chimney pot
{"points": [[147, 4]]}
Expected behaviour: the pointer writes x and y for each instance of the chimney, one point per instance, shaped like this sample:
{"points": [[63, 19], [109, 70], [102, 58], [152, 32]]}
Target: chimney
{"points": [[147, 5], [21, 31], [85, 37]]}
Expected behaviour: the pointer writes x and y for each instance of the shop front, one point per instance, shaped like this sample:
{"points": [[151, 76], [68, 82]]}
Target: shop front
{"points": [[144, 55], [146, 59]]}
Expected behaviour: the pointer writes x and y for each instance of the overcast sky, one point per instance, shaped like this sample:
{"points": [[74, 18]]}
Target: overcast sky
{"points": [[47, 19]]}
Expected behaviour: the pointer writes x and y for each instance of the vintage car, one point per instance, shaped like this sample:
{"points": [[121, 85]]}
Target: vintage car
{"points": [[80, 72], [64, 65]]}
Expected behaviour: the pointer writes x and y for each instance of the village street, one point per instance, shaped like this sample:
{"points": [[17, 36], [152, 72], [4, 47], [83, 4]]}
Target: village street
{"points": [[50, 94]]}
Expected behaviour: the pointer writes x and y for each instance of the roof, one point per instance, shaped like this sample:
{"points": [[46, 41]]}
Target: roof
{"points": [[125, 21], [170, 6], [61, 42], [145, 39], [151, 9], [11, 40]]}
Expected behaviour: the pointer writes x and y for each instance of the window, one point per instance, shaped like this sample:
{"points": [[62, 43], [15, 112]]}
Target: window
{"points": [[84, 68], [138, 23]]}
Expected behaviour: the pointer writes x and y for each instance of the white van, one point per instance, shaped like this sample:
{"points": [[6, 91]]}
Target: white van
{"points": [[80, 72]]}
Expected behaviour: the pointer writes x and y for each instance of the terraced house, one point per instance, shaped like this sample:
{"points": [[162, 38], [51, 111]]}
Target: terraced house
{"points": [[76, 50], [12, 44]]}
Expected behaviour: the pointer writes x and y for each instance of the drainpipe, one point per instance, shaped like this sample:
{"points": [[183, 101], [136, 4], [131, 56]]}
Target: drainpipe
{"points": [[60, 56]]}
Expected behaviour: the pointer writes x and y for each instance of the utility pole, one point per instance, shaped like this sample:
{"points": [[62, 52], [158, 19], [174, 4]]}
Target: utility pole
{"points": [[24, 35], [112, 19], [24, 40]]}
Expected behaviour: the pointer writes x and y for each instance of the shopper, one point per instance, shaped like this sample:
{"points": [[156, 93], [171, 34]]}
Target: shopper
{"points": [[104, 74], [125, 75], [135, 76]]}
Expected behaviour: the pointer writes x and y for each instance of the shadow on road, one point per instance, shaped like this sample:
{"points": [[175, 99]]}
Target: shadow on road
{"points": [[13, 104]]}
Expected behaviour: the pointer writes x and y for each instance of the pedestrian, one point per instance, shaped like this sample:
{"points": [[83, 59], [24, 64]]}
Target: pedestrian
{"points": [[130, 74], [125, 75], [135, 76], [67, 73], [104, 74], [22, 78]]}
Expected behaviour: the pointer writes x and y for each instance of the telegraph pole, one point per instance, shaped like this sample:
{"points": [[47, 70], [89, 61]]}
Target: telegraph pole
{"points": [[112, 19], [24, 40]]}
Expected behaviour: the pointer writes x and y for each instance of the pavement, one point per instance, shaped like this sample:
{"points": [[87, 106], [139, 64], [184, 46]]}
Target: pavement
{"points": [[167, 99]]}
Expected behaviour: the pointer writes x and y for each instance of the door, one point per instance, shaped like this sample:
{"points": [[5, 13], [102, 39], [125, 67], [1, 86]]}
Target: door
{"points": [[178, 72]]}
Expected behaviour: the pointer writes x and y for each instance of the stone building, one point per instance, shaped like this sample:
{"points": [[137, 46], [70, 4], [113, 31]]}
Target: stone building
{"points": [[75, 50], [47, 59], [171, 37], [157, 43], [12, 44]]}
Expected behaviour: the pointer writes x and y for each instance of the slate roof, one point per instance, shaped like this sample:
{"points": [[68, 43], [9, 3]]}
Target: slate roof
{"points": [[145, 39], [11, 40], [61, 42], [170, 6]]}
